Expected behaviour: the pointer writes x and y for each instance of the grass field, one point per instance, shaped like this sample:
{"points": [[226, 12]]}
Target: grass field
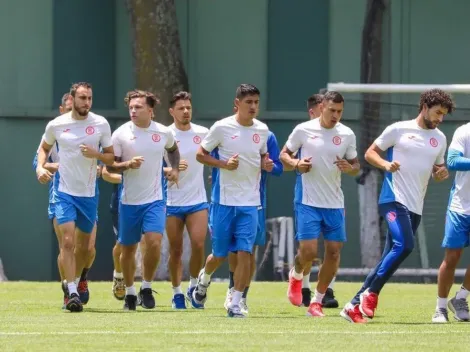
{"points": [[31, 319]]}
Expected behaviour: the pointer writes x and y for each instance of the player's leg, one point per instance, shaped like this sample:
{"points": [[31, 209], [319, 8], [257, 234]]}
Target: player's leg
{"points": [[174, 232], [196, 223], [63, 282], [221, 232], [83, 283], [306, 290], [232, 265], [308, 224], [402, 225], [153, 227], [456, 238], [119, 288]]}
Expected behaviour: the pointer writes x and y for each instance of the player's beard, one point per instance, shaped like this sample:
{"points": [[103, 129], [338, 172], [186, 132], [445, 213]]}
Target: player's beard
{"points": [[81, 111], [428, 123]]}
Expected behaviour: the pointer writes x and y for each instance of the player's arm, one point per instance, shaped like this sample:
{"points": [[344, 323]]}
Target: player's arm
{"points": [[173, 154], [439, 169], [386, 140], [349, 164], [455, 156], [204, 157], [273, 151], [288, 154], [111, 177]]}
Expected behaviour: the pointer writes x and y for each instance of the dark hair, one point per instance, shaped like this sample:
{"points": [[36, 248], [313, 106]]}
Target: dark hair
{"points": [[245, 90], [314, 100], [75, 86], [179, 96], [65, 97], [333, 96], [322, 91], [435, 97], [150, 99]]}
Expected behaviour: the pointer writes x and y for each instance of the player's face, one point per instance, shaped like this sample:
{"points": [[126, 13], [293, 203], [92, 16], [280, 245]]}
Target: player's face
{"points": [[82, 101], [140, 112], [182, 112], [433, 117], [315, 111], [332, 112], [248, 107], [67, 106]]}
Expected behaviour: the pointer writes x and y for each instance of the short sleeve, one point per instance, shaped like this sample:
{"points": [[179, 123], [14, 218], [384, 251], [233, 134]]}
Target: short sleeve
{"points": [[213, 138], [49, 134], [105, 139], [459, 140], [295, 140], [116, 145], [170, 142], [351, 151], [388, 138]]}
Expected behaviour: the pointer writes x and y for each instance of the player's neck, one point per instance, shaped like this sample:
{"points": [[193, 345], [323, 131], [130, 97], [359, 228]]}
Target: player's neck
{"points": [[143, 124], [325, 125], [77, 116], [182, 127], [247, 122]]}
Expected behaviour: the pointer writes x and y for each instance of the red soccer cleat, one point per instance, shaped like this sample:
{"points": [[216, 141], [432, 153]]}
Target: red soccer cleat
{"points": [[368, 305], [294, 291], [353, 315], [315, 310]]}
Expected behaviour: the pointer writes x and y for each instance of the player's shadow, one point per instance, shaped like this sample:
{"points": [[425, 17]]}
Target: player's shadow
{"points": [[156, 310]]}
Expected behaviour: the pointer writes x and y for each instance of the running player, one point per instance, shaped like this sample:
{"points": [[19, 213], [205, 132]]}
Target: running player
{"points": [[414, 151], [79, 134], [326, 148], [241, 142]]}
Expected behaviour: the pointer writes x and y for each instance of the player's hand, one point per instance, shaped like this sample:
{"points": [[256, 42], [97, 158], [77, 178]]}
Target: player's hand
{"points": [[304, 165], [232, 163], [440, 173], [172, 177], [135, 162], [343, 165], [183, 165], [392, 167], [89, 152], [98, 171], [43, 175], [266, 163]]}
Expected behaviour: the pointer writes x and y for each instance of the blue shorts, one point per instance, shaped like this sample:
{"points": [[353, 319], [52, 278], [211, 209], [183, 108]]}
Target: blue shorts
{"points": [[51, 211], [312, 221], [260, 239], [82, 210], [182, 211], [233, 228], [134, 220], [457, 230]]}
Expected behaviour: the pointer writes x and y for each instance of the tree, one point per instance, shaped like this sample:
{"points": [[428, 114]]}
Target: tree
{"points": [[371, 64], [158, 63]]}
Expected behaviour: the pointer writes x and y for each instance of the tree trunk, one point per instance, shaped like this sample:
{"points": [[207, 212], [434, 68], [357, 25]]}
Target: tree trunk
{"points": [[371, 64], [158, 63]]}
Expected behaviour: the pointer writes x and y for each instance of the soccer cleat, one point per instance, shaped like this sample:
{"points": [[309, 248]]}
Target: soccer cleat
{"points": [[294, 290], [146, 299], [368, 305], [329, 300], [460, 309], [235, 312], [119, 288], [440, 316], [130, 302], [199, 296], [74, 304], [65, 290], [244, 306], [315, 310], [306, 296], [178, 301], [353, 315], [83, 291], [228, 298]]}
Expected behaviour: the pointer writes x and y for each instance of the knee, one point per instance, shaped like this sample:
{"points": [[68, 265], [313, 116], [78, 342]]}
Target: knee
{"points": [[333, 254], [68, 244], [176, 253], [197, 246], [308, 253], [153, 245]]}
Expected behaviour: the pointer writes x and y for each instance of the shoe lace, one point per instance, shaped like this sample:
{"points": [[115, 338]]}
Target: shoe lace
{"points": [[148, 291], [461, 304], [441, 311]]}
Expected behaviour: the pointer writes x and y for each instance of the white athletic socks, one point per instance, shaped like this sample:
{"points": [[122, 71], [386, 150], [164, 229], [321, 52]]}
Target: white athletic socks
{"points": [[463, 293]]}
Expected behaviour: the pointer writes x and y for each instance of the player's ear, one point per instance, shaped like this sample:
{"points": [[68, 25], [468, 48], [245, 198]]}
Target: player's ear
{"points": [[61, 109], [170, 110], [236, 103]]}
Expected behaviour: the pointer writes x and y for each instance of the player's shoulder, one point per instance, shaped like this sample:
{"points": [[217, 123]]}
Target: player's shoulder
{"points": [[97, 118], [123, 128], [261, 126], [343, 129], [463, 130], [199, 129], [61, 119], [159, 128], [309, 125], [441, 134]]}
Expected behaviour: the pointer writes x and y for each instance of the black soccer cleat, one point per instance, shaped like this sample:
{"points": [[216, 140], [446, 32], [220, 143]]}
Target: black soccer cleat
{"points": [[74, 304], [306, 297], [146, 298], [329, 300], [130, 302]]}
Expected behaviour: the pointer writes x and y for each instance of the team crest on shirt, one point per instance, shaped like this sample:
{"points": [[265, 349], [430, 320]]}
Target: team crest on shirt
{"points": [[391, 216], [156, 137], [89, 130], [256, 138], [337, 140], [197, 139], [434, 143]]}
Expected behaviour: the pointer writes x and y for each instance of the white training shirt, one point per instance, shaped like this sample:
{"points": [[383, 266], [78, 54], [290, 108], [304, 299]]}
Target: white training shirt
{"points": [[190, 189], [54, 152], [77, 173], [143, 185], [321, 186], [460, 193], [238, 187], [417, 150]]}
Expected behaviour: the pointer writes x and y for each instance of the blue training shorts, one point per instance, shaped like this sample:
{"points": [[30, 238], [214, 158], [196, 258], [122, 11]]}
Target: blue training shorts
{"points": [[457, 230], [81, 210], [312, 221], [183, 211]]}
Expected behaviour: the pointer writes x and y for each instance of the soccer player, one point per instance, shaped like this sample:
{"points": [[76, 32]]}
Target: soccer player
{"points": [[457, 229], [139, 149], [314, 108], [186, 201], [241, 143], [326, 148], [414, 151], [78, 133]]}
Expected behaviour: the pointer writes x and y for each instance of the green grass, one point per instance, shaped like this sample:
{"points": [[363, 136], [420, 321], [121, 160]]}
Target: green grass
{"points": [[31, 319]]}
